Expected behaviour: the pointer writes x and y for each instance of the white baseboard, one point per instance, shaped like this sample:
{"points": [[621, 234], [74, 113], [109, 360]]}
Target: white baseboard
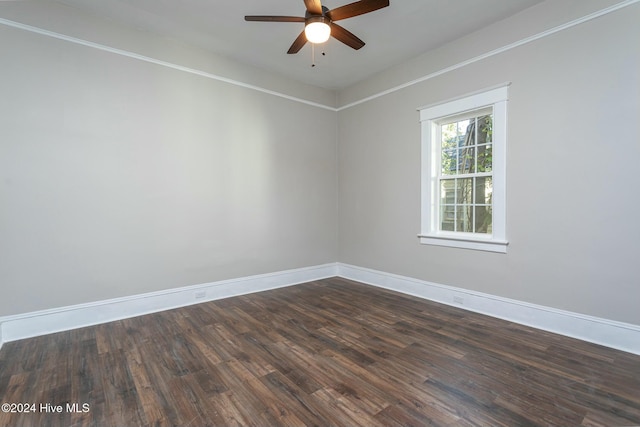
{"points": [[609, 333], [618, 335], [43, 322]]}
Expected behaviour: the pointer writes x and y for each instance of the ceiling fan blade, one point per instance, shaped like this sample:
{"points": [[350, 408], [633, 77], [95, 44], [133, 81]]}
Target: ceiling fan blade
{"points": [[298, 43], [356, 8], [313, 6], [346, 37], [263, 18]]}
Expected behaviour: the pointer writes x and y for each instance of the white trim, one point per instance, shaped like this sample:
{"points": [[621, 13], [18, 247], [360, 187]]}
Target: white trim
{"points": [[171, 65], [467, 102], [431, 118], [43, 322], [617, 335], [478, 244], [494, 52], [445, 70]]}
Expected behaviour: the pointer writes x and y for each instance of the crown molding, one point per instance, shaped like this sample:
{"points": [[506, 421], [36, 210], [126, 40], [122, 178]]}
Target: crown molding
{"points": [[481, 57], [493, 52], [144, 58]]}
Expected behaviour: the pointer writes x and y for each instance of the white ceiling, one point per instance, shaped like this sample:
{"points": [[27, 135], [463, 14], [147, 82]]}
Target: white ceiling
{"points": [[394, 34]]}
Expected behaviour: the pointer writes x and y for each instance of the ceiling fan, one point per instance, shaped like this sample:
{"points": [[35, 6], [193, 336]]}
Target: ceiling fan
{"points": [[319, 22]]}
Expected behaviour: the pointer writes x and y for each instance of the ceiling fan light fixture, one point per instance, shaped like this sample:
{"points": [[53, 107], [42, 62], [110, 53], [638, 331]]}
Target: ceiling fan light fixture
{"points": [[317, 29]]}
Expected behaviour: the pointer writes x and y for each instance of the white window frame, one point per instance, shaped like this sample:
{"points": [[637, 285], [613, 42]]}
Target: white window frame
{"points": [[430, 117]]}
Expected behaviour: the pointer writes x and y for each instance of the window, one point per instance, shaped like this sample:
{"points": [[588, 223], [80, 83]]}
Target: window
{"points": [[463, 172]]}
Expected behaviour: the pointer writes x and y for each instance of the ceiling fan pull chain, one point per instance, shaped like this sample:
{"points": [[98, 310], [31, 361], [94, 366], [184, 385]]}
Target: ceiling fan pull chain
{"points": [[313, 55]]}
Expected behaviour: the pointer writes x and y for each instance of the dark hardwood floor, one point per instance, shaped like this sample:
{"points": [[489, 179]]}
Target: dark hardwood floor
{"points": [[331, 352]]}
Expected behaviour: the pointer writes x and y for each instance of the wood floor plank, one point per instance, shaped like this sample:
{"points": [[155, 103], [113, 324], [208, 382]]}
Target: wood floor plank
{"points": [[327, 353], [305, 372], [346, 413], [189, 399], [302, 403], [251, 407], [147, 393], [284, 415], [227, 407], [121, 396]]}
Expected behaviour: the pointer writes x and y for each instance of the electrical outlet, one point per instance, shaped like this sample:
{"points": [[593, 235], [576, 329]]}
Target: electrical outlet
{"points": [[458, 300], [201, 294]]}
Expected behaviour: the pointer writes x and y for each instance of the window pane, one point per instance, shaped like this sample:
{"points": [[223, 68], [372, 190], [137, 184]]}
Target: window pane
{"points": [[447, 217], [464, 218], [447, 191], [449, 161], [483, 190], [453, 139], [485, 158], [472, 139], [450, 137], [453, 134], [466, 149], [467, 160], [485, 126], [464, 191], [465, 204], [483, 219], [470, 132]]}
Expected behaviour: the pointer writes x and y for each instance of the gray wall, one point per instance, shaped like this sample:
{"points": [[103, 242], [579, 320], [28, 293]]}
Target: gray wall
{"points": [[121, 177], [572, 196]]}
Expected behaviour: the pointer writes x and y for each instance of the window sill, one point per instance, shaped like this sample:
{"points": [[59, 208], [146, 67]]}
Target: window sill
{"points": [[487, 245]]}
